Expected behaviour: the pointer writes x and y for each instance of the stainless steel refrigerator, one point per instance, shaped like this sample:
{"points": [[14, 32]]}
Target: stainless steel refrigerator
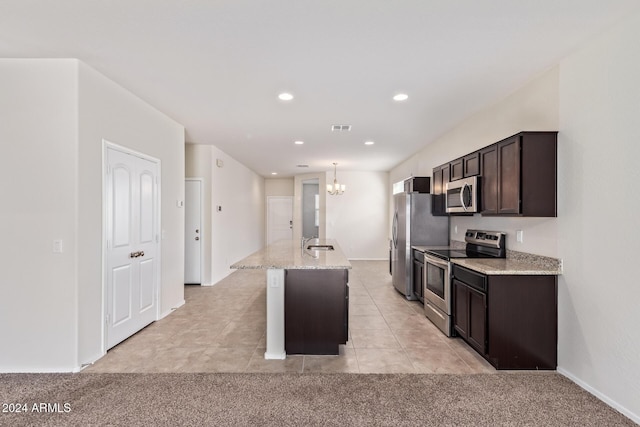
{"points": [[413, 225]]}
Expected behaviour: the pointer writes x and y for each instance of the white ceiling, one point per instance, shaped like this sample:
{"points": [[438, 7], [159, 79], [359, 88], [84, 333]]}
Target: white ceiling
{"points": [[217, 66]]}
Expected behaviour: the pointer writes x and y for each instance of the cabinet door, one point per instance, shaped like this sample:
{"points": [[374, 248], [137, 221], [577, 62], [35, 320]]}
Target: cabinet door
{"points": [[509, 176], [489, 180], [477, 331], [461, 309], [457, 169], [440, 179], [471, 164], [417, 279], [314, 311]]}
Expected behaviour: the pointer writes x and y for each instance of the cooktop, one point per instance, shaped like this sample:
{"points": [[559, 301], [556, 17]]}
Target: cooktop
{"points": [[480, 244]]}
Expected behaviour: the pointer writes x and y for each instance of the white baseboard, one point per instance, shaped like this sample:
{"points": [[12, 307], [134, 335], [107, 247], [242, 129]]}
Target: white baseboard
{"points": [[171, 310], [606, 399]]}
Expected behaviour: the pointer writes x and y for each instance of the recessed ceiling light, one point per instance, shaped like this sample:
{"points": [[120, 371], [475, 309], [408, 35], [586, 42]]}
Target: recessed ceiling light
{"points": [[401, 97], [298, 142], [284, 96], [274, 173], [369, 143]]}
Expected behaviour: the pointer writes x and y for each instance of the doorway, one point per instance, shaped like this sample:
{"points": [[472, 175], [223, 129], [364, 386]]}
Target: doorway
{"points": [[279, 218], [132, 256], [310, 208], [193, 231]]}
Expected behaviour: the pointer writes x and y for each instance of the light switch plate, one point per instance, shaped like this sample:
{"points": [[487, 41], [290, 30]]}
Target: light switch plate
{"points": [[57, 246], [519, 236]]}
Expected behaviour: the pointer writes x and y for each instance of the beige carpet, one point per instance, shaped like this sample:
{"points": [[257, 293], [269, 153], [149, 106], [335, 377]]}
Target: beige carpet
{"points": [[503, 399]]}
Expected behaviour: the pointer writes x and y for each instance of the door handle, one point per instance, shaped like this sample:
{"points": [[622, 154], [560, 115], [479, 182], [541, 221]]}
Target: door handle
{"points": [[136, 254]]}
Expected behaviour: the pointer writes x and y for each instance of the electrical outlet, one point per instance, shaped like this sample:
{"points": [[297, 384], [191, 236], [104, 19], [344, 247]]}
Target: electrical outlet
{"points": [[519, 236], [455, 229]]}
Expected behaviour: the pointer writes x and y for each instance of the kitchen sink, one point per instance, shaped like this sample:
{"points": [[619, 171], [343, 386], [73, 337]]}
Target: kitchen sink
{"points": [[320, 247]]}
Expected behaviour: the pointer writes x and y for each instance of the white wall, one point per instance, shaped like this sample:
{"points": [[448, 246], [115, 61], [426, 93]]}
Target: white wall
{"points": [[198, 165], [55, 114], [38, 133], [238, 229], [278, 187], [358, 219], [108, 111], [598, 230]]}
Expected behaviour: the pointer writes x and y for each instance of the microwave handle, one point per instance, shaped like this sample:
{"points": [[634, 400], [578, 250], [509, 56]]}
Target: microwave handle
{"points": [[462, 196]]}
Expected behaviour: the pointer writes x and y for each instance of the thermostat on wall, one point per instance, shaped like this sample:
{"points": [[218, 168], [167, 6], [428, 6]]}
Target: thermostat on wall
{"points": [[219, 163]]}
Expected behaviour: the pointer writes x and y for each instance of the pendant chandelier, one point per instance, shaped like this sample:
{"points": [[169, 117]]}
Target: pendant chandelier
{"points": [[335, 189]]}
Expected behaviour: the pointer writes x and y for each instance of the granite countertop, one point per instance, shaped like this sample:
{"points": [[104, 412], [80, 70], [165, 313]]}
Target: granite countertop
{"points": [[508, 266], [288, 255]]}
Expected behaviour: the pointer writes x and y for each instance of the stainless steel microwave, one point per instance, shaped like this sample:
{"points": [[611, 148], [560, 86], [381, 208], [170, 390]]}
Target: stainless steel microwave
{"points": [[462, 195]]}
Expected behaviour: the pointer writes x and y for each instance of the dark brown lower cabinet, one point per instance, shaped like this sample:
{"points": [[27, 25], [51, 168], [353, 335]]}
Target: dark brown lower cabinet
{"points": [[470, 319], [514, 324], [418, 272], [316, 311], [523, 322]]}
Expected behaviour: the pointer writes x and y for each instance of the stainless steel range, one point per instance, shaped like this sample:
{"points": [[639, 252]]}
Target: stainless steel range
{"points": [[437, 272]]}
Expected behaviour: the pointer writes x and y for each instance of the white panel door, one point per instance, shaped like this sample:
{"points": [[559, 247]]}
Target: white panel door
{"points": [[132, 244], [279, 218], [192, 232]]}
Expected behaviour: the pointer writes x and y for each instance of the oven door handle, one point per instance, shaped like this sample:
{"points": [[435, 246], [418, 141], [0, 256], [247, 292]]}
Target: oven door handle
{"points": [[435, 261]]}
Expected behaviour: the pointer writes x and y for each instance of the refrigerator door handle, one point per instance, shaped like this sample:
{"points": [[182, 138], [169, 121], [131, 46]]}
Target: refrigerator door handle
{"points": [[394, 229]]}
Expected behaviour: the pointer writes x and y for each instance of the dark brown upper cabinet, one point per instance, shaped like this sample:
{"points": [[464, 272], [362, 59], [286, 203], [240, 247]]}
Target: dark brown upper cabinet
{"points": [[441, 175], [471, 164], [457, 169], [519, 175], [466, 166]]}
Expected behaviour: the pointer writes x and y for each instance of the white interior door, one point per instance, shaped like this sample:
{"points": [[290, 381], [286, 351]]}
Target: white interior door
{"points": [[132, 244], [279, 218], [193, 232]]}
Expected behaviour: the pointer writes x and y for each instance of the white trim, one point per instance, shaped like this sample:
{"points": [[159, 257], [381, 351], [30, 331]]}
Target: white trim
{"points": [[171, 310], [606, 399], [202, 226], [106, 145]]}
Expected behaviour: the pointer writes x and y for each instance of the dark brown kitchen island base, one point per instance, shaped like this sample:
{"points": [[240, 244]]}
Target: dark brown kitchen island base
{"points": [[316, 310]]}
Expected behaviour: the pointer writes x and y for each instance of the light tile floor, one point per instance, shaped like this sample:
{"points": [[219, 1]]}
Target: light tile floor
{"points": [[222, 329]]}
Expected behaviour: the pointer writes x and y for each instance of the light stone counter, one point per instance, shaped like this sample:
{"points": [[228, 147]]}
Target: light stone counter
{"points": [[289, 255], [276, 259], [507, 266]]}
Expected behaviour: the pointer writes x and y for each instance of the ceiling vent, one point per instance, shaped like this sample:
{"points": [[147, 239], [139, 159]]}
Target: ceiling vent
{"points": [[340, 128], [302, 166]]}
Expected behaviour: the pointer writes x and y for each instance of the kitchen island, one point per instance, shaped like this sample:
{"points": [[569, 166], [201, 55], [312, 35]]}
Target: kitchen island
{"points": [[311, 316]]}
